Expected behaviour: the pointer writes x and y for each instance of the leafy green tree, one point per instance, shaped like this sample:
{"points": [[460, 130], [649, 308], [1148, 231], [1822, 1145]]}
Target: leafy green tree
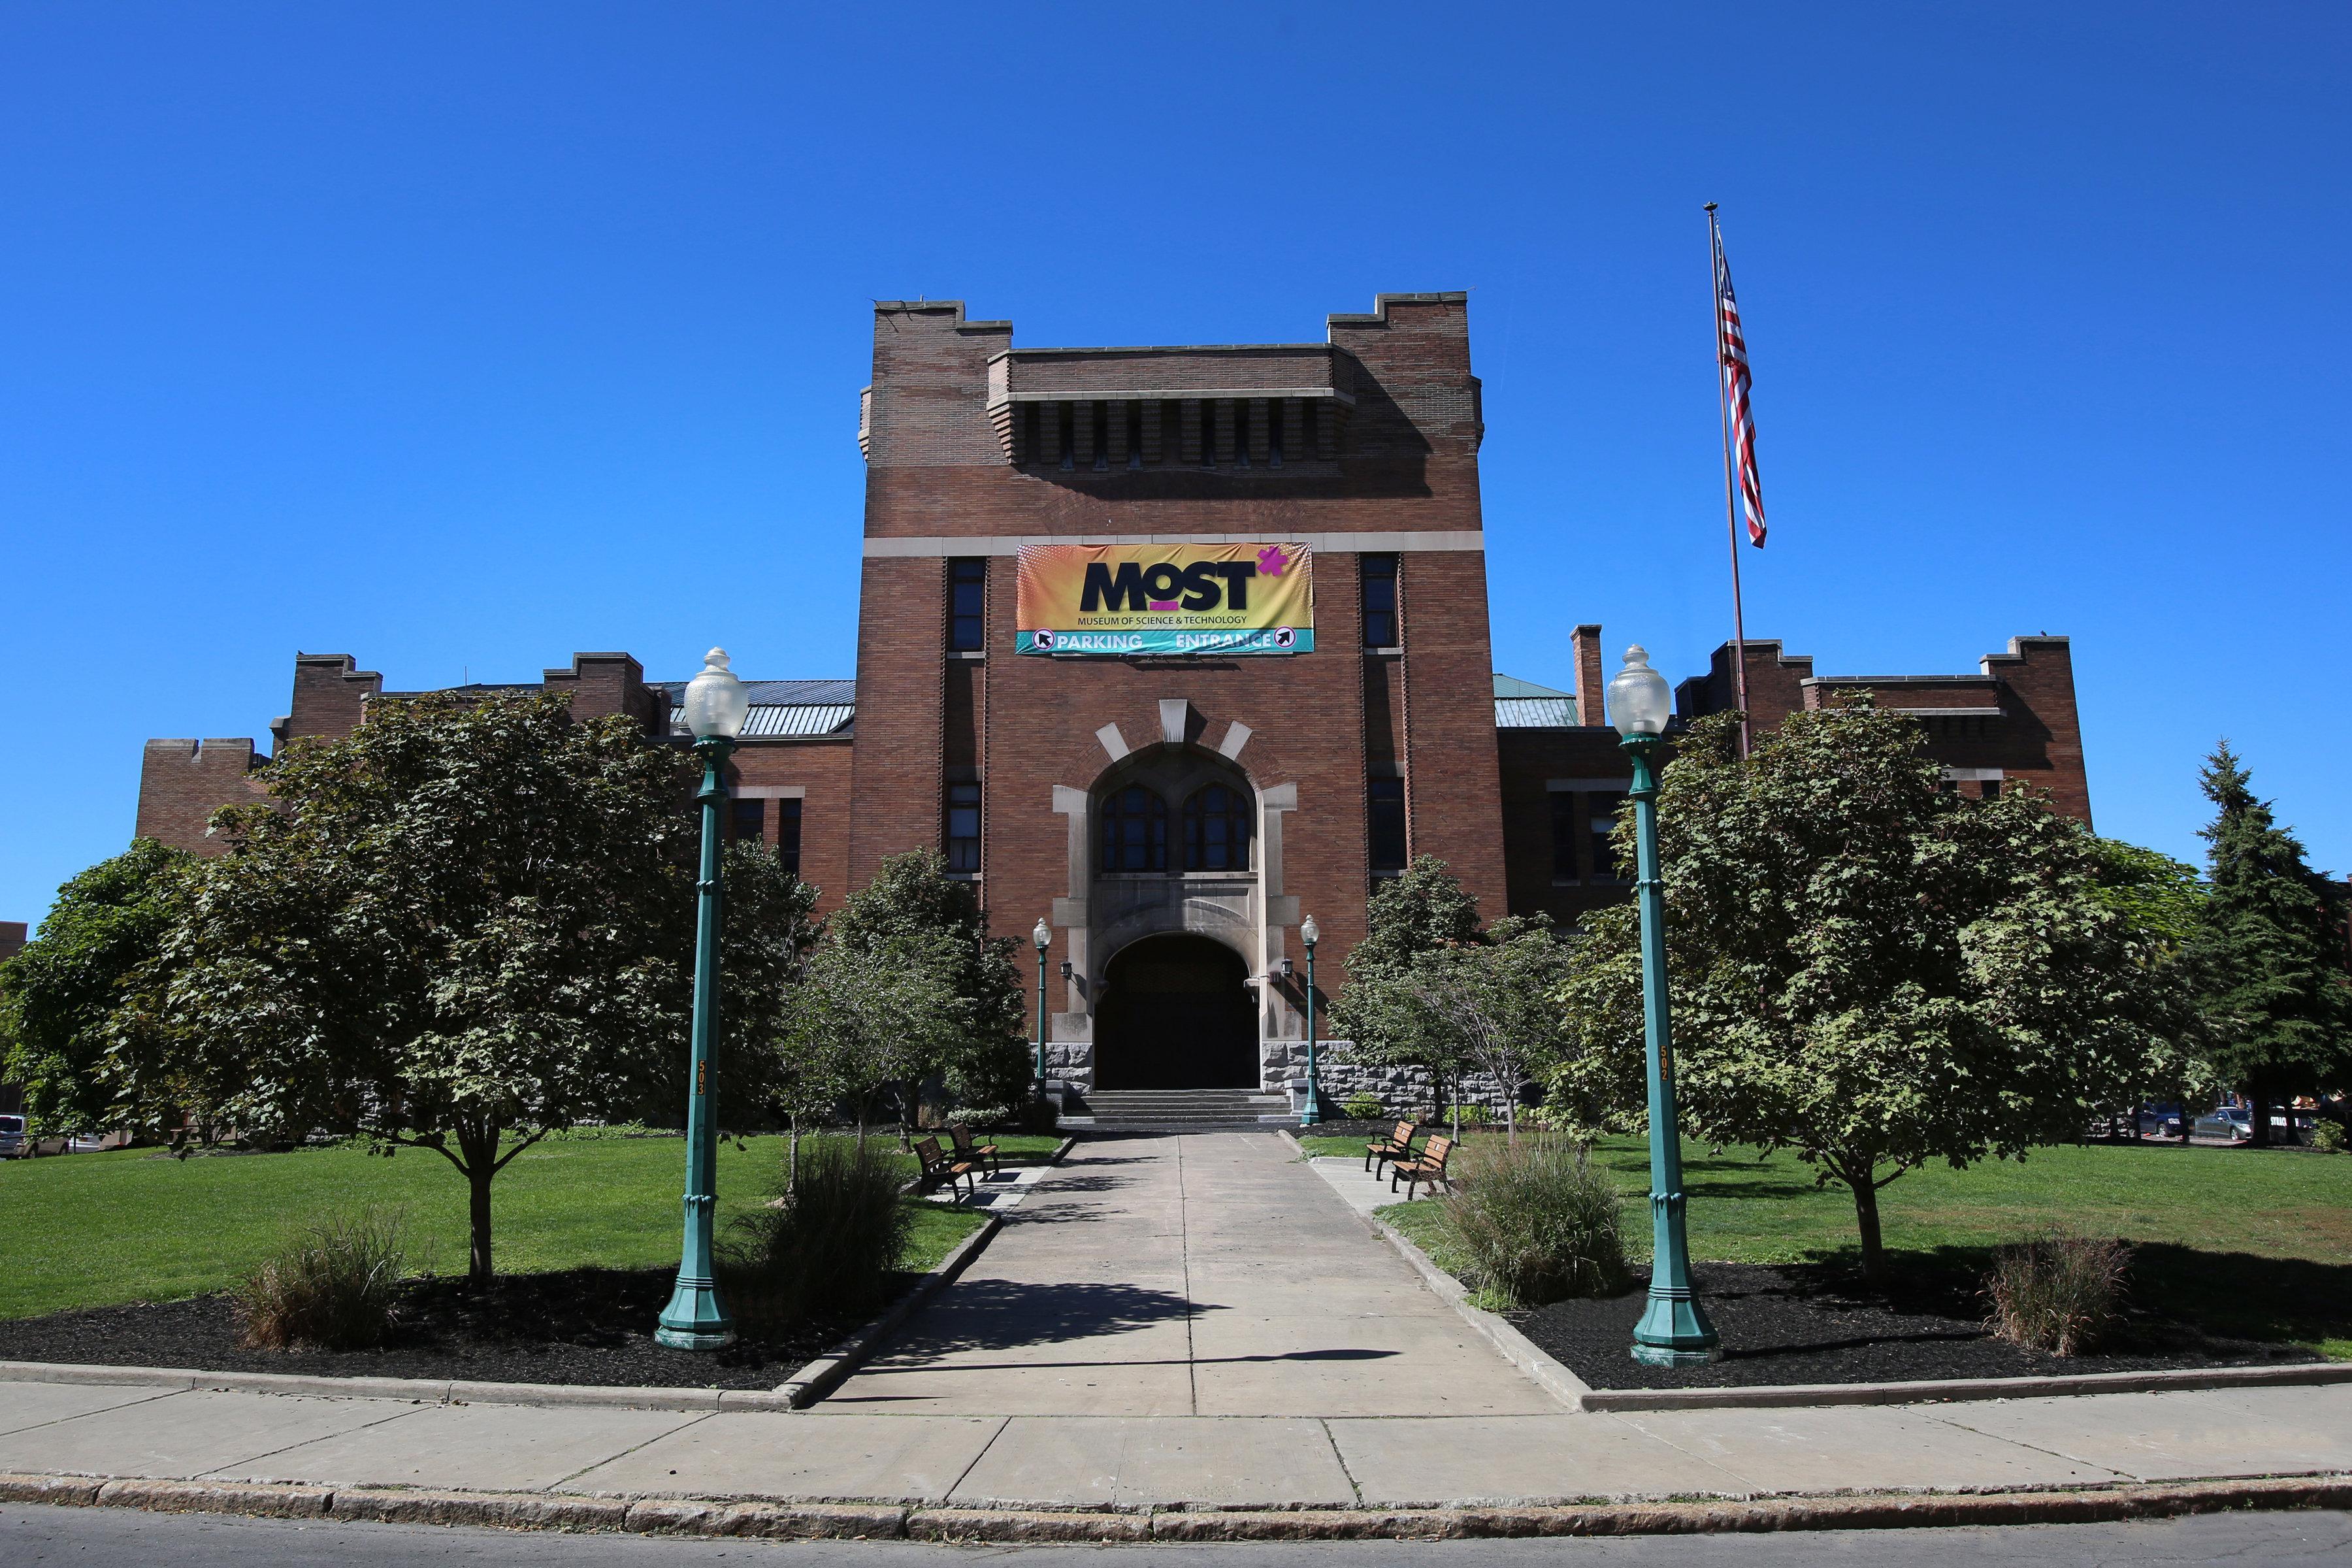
{"points": [[59, 994], [907, 985], [1486, 1007], [465, 926], [1421, 910], [1864, 967], [2273, 944], [2165, 900]]}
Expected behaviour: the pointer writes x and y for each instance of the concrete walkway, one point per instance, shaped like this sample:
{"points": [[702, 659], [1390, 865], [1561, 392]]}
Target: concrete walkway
{"points": [[1197, 1274], [1174, 1461]]}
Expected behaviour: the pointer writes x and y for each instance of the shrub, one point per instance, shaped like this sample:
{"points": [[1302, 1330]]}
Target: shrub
{"points": [[1538, 1222], [2328, 1136], [1467, 1115], [333, 1287], [825, 1248], [1034, 1114], [1363, 1108], [2057, 1292]]}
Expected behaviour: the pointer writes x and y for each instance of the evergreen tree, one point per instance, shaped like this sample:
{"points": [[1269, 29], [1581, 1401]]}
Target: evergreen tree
{"points": [[2273, 948]]}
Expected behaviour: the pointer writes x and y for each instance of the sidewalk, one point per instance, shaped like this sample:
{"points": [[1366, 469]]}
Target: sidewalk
{"points": [[1173, 1461]]}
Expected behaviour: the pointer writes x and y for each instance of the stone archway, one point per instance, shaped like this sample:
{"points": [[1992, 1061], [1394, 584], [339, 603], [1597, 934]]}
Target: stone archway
{"points": [[1176, 1012]]}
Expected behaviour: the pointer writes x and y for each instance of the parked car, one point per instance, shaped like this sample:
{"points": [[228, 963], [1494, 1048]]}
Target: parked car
{"points": [[12, 1138], [2160, 1121], [2230, 1121]]}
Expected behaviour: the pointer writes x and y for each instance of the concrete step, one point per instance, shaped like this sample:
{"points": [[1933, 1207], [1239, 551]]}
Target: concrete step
{"points": [[1181, 1108]]}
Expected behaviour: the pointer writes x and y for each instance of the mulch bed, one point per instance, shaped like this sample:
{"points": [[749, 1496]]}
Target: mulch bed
{"points": [[584, 1325], [1796, 1323]]}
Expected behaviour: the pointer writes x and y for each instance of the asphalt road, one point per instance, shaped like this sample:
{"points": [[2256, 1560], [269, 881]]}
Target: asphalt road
{"points": [[30, 1535]]}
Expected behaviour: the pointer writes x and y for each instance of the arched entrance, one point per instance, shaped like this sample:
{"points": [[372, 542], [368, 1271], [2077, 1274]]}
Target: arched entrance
{"points": [[1175, 1014]]}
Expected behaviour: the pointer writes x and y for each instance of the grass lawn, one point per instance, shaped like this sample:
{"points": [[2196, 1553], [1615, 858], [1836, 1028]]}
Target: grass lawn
{"points": [[2251, 1243], [92, 1230]]}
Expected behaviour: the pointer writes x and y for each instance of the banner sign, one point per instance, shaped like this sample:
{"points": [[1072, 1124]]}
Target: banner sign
{"points": [[1125, 599]]}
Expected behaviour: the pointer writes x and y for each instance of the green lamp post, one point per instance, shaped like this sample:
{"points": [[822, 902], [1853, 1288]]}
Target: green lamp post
{"points": [[716, 706], [1673, 1330], [1311, 934], [1044, 938]]}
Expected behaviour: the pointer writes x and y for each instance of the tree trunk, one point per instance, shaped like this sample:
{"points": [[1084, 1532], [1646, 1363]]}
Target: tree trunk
{"points": [[1865, 1219], [480, 1149], [477, 1264], [792, 1160], [2258, 1112]]}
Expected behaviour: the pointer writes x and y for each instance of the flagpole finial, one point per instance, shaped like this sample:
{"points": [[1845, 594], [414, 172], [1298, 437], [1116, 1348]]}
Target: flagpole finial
{"points": [[1710, 206]]}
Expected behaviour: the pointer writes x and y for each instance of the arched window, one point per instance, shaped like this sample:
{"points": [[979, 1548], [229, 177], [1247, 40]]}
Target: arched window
{"points": [[1134, 830], [1216, 830]]}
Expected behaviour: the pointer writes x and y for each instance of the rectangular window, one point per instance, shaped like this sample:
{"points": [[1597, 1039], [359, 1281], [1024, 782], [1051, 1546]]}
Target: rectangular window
{"points": [[1989, 789], [1600, 816], [967, 605], [1563, 836], [1380, 601], [963, 828], [1386, 811], [751, 820], [788, 835]]}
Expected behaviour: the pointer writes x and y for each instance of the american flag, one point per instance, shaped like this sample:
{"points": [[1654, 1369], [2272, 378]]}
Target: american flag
{"points": [[1731, 349]]}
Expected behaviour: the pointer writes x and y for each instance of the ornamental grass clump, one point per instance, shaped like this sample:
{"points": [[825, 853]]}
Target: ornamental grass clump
{"points": [[827, 1248], [1536, 1221], [2057, 1292], [333, 1287]]}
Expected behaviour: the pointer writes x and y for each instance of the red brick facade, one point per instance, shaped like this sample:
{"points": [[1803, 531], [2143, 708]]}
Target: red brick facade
{"points": [[1364, 448]]}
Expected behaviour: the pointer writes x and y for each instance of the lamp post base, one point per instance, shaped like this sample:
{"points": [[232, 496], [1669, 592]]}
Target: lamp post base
{"points": [[694, 1320], [1675, 1332]]}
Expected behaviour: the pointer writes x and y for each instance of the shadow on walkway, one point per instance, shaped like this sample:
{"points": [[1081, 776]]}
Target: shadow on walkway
{"points": [[1003, 1315]]}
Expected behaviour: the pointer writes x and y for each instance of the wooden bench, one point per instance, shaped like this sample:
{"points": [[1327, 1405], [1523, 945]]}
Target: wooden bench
{"points": [[1426, 1168], [968, 1150], [1395, 1146], [938, 1162]]}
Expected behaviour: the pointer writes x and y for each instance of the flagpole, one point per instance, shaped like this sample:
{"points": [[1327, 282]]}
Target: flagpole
{"points": [[1730, 508]]}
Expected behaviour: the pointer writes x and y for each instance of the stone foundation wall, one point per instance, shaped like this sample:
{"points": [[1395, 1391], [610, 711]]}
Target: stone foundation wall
{"points": [[1283, 1070]]}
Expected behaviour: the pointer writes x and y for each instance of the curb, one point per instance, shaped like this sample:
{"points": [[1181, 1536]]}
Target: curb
{"points": [[425, 1391], [1961, 1390], [827, 1371], [1543, 1370], [693, 1517]]}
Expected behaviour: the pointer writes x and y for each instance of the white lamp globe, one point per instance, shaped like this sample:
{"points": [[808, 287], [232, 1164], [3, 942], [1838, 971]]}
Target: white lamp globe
{"points": [[716, 703], [1639, 702], [1042, 936], [1311, 934]]}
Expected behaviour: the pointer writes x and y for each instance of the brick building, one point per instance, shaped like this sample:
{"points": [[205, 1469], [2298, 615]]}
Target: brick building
{"points": [[1172, 646]]}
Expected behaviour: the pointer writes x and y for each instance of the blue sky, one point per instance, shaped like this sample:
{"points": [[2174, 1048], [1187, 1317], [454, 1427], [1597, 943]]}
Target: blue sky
{"points": [[462, 337]]}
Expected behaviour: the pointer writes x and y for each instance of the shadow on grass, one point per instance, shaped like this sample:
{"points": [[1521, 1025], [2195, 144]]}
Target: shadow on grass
{"points": [[2273, 1300]]}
